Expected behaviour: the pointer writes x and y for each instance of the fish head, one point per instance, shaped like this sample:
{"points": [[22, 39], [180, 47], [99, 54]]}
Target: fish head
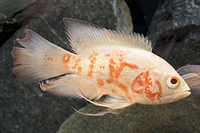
{"points": [[172, 86]]}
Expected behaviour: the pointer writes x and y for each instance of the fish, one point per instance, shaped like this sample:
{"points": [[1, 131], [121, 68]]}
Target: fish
{"points": [[108, 68]]}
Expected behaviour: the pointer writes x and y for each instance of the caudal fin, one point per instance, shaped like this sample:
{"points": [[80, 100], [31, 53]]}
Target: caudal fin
{"points": [[39, 59]]}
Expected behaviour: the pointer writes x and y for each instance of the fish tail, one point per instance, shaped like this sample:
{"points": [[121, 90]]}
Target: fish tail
{"points": [[38, 59]]}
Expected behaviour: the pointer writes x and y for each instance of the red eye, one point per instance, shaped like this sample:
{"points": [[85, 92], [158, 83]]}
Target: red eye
{"points": [[173, 82]]}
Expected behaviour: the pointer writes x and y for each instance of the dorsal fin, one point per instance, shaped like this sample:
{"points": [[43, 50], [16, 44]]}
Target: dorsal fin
{"points": [[84, 35]]}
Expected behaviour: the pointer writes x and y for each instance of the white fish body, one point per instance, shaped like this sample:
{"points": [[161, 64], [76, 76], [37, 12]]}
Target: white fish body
{"points": [[106, 62]]}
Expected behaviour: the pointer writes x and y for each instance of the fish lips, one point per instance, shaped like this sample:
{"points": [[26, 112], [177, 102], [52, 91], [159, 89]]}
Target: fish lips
{"points": [[184, 93], [176, 96]]}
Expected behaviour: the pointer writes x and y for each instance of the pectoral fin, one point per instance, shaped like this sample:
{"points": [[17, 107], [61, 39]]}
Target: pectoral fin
{"points": [[193, 81], [191, 74]]}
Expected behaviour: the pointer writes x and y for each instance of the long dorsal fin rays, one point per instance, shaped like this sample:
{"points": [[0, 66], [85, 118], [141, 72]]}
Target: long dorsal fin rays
{"points": [[86, 36]]}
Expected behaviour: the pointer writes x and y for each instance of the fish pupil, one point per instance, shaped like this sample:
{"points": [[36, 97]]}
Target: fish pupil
{"points": [[173, 81]]}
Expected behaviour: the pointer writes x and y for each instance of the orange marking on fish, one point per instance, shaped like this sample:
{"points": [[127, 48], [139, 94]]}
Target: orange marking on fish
{"points": [[93, 60], [78, 60], [90, 57], [139, 90], [137, 80], [160, 90], [131, 66], [120, 54], [51, 59], [107, 55], [66, 58], [116, 68], [80, 69], [89, 75], [130, 98], [109, 81], [48, 58], [102, 67], [73, 57], [45, 55], [148, 80], [115, 71], [100, 82], [113, 91], [112, 61], [148, 84], [112, 72], [91, 65], [74, 66], [95, 54], [122, 87]]}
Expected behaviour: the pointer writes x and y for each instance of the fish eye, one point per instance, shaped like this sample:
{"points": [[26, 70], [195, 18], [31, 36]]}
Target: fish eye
{"points": [[173, 82]]}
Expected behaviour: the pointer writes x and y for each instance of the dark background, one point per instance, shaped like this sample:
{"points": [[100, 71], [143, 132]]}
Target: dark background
{"points": [[142, 12]]}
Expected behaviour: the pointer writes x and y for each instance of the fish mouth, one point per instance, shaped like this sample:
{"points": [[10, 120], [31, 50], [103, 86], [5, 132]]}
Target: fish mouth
{"points": [[184, 93], [177, 96]]}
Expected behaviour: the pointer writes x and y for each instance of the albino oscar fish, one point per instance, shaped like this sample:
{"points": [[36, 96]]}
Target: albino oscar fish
{"points": [[105, 62]]}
